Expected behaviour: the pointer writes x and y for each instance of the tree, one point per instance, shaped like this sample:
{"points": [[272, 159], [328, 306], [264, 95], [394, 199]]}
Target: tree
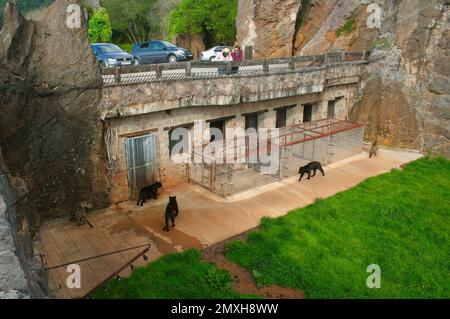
{"points": [[214, 20], [99, 26], [133, 18]]}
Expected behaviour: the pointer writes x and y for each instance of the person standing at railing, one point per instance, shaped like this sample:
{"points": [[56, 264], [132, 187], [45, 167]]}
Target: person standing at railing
{"points": [[237, 56], [224, 56]]}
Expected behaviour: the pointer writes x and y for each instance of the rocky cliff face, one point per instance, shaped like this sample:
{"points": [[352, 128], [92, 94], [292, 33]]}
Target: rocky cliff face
{"points": [[192, 42], [268, 26], [406, 98], [405, 94], [50, 128]]}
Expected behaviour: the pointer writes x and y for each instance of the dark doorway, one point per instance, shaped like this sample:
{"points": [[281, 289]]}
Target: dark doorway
{"points": [[251, 121], [307, 113], [331, 109], [281, 118], [219, 124], [174, 140]]}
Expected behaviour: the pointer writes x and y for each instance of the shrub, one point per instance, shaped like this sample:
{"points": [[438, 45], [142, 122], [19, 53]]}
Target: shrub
{"points": [[100, 26]]}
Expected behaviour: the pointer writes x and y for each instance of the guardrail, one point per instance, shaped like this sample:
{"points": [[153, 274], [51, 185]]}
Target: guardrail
{"points": [[204, 70]]}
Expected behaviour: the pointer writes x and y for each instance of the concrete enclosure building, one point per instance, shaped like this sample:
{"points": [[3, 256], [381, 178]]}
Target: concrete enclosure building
{"points": [[308, 103]]}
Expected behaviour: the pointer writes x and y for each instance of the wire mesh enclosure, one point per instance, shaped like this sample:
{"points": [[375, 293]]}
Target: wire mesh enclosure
{"points": [[326, 141]]}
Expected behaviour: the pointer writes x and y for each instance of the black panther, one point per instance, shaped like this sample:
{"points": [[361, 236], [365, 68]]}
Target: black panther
{"points": [[148, 192], [171, 212], [313, 166]]}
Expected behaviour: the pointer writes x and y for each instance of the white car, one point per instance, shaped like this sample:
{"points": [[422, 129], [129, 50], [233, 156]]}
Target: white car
{"points": [[210, 55]]}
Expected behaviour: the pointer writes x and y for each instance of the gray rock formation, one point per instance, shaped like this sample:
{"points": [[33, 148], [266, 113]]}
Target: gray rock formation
{"points": [[50, 132], [192, 42], [13, 284], [407, 93], [95, 3]]}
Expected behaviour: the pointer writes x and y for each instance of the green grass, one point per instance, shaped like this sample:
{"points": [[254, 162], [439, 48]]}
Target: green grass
{"points": [[400, 221], [177, 276], [346, 28]]}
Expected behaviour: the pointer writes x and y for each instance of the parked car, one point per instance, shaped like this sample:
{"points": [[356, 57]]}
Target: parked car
{"points": [[110, 55], [159, 52], [210, 55]]}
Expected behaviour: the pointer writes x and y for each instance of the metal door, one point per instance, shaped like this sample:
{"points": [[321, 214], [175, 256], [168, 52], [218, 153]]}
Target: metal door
{"points": [[141, 154]]}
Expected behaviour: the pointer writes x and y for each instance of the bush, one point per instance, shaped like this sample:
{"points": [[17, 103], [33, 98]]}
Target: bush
{"points": [[214, 20], [346, 28], [99, 26]]}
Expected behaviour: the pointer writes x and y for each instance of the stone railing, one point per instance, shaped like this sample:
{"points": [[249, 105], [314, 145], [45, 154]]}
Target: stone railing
{"points": [[205, 70]]}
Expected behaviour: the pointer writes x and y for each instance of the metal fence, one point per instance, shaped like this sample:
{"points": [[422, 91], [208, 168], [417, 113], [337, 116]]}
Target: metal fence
{"points": [[326, 141], [211, 70]]}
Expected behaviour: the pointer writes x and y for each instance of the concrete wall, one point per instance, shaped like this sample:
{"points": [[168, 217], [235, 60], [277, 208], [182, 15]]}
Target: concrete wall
{"points": [[156, 107], [137, 99], [159, 123]]}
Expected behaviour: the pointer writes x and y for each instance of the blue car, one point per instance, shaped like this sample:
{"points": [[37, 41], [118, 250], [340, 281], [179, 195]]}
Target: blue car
{"points": [[159, 52], [110, 55]]}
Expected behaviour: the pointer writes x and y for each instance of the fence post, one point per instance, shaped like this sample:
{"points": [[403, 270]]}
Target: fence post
{"points": [[117, 75], [158, 71], [366, 54], [248, 52], [229, 68], [343, 56], [266, 66], [189, 68], [292, 63]]}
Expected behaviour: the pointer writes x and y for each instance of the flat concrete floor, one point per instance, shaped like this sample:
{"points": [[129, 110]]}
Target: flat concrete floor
{"points": [[204, 219]]}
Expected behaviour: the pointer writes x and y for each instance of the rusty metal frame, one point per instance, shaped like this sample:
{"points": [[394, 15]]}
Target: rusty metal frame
{"points": [[118, 271], [94, 257], [349, 126]]}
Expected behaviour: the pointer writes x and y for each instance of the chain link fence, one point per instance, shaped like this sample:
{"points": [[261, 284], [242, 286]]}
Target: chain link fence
{"points": [[326, 141]]}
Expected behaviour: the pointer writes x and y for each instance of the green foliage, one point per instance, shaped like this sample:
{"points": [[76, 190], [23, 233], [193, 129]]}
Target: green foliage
{"points": [[219, 279], [214, 20], [346, 28], [126, 47], [303, 14], [99, 26], [133, 19], [176, 276], [400, 221]]}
